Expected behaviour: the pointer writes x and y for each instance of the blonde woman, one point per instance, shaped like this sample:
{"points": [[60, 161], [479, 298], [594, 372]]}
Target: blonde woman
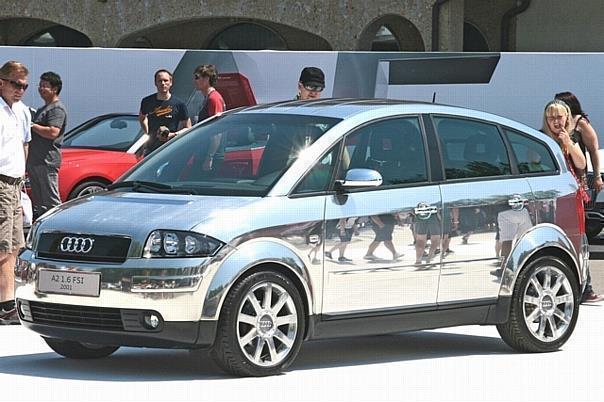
{"points": [[558, 123]]}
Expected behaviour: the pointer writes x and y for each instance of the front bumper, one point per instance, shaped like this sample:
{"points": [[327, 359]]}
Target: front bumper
{"points": [[118, 284], [173, 335], [173, 292]]}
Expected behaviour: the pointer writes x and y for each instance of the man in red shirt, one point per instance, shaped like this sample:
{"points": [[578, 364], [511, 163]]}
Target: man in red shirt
{"points": [[204, 78]]}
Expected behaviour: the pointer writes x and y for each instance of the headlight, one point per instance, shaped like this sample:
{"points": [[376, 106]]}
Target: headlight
{"points": [[172, 243]]}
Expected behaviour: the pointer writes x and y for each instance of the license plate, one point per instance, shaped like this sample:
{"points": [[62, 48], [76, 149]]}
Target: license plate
{"points": [[69, 282]]}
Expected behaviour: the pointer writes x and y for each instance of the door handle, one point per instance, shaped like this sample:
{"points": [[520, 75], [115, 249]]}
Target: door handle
{"points": [[424, 210], [314, 239], [517, 202]]}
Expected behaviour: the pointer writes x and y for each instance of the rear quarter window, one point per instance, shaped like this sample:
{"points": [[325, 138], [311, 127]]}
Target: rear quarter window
{"points": [[531, 155]]}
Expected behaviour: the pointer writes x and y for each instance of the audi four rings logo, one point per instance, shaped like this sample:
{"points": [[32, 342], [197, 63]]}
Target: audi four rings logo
{"points": [[81, 245]]}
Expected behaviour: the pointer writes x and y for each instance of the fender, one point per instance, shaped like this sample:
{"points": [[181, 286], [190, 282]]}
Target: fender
{"points": [[541, 236], [245, 257]]}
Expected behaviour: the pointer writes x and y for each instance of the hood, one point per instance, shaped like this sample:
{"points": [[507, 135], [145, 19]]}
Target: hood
{"points": [[78, 154], [137, 214]]}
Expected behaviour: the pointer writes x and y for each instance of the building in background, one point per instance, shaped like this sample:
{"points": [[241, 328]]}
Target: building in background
{"points": [[380, 25]]}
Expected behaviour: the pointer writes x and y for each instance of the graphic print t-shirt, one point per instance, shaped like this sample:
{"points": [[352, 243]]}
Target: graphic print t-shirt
{"points": [[162, 113]]}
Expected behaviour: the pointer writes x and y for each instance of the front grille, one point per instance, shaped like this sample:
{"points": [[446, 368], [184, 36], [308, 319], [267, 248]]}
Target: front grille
{"points": [[83, 247], [77, 316]]}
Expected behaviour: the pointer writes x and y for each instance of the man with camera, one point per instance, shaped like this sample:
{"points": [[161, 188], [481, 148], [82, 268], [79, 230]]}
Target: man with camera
{"points": [[162, 115]]}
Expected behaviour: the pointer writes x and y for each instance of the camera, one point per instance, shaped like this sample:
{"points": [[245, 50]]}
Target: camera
{"points": [[163, 132]]}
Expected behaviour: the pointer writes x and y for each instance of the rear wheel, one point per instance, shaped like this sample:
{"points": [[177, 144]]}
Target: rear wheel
{"points": [[544, 308], [261, 326], [78, 350], [87, 188]]}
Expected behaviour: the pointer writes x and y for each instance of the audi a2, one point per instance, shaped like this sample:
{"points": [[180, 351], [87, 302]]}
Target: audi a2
{"points": [[339, 218]]}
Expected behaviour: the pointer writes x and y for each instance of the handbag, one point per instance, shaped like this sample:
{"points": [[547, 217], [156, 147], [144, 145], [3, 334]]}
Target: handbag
{"points": [[28, 213], [582, 191]]}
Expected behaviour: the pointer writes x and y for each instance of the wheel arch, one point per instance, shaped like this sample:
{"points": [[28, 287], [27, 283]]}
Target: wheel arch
{"points": [[252, 257], [543, 239]]}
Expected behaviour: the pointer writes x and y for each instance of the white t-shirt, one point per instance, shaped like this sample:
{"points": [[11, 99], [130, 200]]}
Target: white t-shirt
{"points": [[15, 125], [513, 223]]}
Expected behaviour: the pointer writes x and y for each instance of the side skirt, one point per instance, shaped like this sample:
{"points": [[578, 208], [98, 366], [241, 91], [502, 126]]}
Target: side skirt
{"points": [[403, 320]]}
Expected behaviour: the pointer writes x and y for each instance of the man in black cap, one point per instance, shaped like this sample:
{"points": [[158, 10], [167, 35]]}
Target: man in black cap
{"points": [[311, 84]]}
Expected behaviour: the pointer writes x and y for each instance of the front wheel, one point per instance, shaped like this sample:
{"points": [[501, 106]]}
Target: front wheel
{"points": [[544, 307], [87, 188], [261, 326], [78, 350]]}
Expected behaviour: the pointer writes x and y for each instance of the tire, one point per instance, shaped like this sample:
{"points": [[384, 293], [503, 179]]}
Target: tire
{"points": [[77, 350], [87, 188], [249, 341], [543, 312]]}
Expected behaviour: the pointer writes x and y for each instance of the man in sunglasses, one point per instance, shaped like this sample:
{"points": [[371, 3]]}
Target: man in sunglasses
{"points": [[15, 121], [311, 84]]}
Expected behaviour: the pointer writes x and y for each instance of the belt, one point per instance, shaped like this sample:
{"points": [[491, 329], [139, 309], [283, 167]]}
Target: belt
{"points": [[11, 180]]}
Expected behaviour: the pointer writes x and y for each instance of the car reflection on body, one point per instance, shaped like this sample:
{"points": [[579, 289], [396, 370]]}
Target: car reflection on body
{"points": [[196, 248]]}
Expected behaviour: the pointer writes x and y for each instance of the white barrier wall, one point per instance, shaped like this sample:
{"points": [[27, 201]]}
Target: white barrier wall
{"points": [[519, 88], [515, 85]]}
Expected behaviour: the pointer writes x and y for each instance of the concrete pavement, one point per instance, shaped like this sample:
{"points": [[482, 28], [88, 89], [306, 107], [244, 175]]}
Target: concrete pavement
{"points": [[464, 364]]}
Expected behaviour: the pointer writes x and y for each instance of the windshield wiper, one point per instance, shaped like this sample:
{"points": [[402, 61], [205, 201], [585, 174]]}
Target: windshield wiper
{"points": [[141, 185]]}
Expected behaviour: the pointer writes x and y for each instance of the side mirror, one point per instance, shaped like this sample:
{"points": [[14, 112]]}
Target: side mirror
{"points": [[358, 178], [118, 123]]}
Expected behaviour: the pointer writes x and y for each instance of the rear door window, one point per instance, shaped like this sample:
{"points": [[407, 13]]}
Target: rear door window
{"points": [[471, 148]]}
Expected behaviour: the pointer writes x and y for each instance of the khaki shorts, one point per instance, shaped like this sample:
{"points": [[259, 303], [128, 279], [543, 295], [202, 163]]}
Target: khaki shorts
{"points": [[11, 218]]}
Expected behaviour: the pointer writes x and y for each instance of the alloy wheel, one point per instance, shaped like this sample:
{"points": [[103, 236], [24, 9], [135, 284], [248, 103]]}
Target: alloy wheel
{"points": [[267, 324], [548, 304]]}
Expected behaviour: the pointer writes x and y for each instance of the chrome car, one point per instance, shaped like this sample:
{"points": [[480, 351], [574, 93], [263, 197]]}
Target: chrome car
{"points": [[337, 218]]}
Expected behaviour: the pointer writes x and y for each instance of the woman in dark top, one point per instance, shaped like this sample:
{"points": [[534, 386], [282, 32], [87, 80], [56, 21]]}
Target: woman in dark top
{"points": [[584, 134]]}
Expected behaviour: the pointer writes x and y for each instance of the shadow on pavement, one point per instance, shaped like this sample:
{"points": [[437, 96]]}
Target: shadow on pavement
{"points": [[139, 365], [395, 348]]}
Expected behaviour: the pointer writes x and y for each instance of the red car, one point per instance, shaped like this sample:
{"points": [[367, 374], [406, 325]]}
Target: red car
{"points": [[100, 150], [97, 152]]}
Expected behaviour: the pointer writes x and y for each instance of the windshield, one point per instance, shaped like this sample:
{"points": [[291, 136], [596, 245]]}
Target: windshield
{"points": [[115, 133], [237, 154]]}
